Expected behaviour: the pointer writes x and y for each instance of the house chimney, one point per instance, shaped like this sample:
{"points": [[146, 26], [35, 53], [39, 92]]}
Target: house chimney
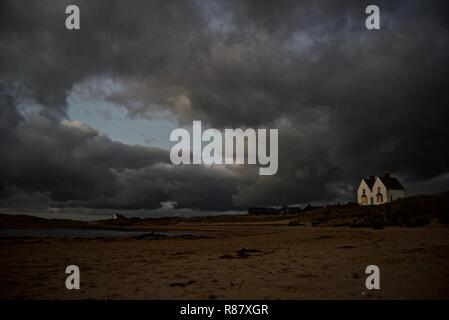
{"points": [[387, 174]]}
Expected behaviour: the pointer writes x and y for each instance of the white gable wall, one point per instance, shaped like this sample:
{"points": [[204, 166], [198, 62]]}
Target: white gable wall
{"points": [[363, 186], [380, 192]]}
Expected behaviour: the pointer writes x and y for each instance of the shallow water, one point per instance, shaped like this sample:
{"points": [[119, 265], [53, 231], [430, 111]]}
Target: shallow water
{"points": [[81, 233]]}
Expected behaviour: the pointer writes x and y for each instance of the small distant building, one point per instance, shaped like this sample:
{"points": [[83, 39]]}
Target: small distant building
{"points": [[377, 190], [276, 211], [262, 211], [117, 216]]}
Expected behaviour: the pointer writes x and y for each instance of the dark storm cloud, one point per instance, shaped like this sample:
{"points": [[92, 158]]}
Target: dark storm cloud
{"points": [[348, 102], [77, 166], [117, 38]]}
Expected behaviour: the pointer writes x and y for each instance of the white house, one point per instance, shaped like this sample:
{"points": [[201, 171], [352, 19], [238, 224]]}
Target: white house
{"points": [[379, 190]]}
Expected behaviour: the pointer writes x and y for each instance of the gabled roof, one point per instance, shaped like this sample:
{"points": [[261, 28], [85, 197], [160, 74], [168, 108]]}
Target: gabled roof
{"points": [[370, 182], [391, 183]]}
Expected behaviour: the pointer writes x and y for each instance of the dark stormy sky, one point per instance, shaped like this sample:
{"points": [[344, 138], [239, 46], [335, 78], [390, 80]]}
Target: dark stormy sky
{"points": [[85, 115]]}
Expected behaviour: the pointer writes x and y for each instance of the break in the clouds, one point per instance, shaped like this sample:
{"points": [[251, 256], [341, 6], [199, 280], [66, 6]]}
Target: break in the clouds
{"points": [[348, 102]]}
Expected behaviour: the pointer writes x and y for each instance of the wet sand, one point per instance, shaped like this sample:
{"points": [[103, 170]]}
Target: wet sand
{"points": [[236, 261]]}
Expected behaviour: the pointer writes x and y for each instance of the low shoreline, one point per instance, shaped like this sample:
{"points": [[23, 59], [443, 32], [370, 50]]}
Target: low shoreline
{"points": [[236, 262]]}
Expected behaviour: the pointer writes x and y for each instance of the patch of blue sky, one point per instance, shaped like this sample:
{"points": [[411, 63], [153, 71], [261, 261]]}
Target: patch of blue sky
{"points": [[113, 120]]}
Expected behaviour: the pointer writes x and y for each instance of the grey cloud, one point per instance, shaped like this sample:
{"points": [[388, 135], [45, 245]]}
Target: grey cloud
{"points": [[70, 164], [348, 102]]}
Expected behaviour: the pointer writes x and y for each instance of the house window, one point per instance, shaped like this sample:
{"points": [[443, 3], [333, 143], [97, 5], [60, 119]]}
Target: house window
{"points": [[364, 197], [379, 196]]}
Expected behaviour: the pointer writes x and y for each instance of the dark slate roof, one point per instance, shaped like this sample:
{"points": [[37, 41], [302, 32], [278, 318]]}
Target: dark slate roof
{"points": [[370, 182], [391, 183]]}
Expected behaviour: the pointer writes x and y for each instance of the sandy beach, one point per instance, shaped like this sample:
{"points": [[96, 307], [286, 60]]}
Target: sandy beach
{"points": [[233, 261]]}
